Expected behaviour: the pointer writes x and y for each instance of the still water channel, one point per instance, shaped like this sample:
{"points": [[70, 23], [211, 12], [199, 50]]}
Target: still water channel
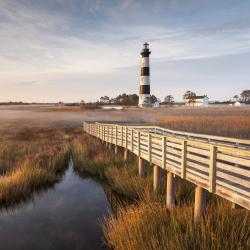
{"points": [[66, 217]]}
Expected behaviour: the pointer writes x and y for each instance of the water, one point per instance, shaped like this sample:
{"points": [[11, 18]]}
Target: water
{"points": [[66, 217]]}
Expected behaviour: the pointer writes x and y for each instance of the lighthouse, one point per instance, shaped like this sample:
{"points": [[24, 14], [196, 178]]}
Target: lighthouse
{"points": [[144, 93]]}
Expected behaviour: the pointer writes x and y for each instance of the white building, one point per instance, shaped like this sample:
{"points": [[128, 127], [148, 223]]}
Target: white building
{"points": [[156, 104], [197, 101]]}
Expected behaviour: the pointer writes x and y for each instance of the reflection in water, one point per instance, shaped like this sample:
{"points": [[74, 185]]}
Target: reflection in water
{"points": [[66, 217], [114, 199]]}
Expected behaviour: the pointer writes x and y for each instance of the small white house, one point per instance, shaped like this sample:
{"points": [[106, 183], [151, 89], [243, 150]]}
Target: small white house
{"points": [[156, 104], [239, 104], [197, 101]]}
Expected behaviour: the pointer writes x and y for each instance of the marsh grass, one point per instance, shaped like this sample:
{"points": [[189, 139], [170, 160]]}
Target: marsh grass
{"points": [[151, 226], [29, 160], [90, 157], [146, 223], [237, 126]]}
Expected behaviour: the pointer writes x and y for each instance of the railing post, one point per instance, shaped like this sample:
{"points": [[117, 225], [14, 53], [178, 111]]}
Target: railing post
{"points": [[116, 147], [122, 136], [111, 135], [212, 169], [102, 133], [139, 143], [132, 140], [170, 197], [141, 162], [115, 135], [126, 144], [149, 149], [199, 204], [157, 176], [126, 138], [108, 134], [164, 152], [183, 159]]}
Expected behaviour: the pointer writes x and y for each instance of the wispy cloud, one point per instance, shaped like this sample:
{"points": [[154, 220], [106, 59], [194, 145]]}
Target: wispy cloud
{"points": [[42, 40]]}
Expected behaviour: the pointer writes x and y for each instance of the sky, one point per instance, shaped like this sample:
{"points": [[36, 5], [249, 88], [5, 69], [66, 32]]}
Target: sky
{"points": [[61, 50]]}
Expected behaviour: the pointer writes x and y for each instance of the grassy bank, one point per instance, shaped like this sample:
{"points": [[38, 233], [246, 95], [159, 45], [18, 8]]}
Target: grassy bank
{"points": [[146, 223], [29, 160], [90, 158]]}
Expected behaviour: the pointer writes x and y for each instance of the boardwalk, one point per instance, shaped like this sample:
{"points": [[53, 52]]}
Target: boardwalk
{"points": [[218, 164]]}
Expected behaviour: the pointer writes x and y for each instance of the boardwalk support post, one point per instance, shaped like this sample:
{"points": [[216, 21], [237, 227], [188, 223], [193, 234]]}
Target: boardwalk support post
{"points": [[125, 154], [170, 197], [141, 167], [157, 176], [199, 204], [116, 149]]}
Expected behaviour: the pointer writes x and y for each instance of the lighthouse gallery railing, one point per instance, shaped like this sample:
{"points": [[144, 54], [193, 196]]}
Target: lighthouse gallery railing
{"points": [[218, 164]]}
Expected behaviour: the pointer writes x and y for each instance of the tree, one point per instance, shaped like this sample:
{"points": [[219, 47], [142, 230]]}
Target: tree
{"points": [[189, 96], [125, 99], [153, 99], [82, 102], [104, 99], [169, 99], [236, 97], [245, 95]]}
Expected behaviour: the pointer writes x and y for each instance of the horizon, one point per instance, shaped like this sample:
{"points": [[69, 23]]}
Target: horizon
{"points": [[65, 51]]}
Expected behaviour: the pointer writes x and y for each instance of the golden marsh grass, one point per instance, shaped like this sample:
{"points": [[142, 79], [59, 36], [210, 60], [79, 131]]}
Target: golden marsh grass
{"points": [[32, 158]]}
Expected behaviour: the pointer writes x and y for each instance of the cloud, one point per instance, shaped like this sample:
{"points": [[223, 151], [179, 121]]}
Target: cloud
{"points": [[45, 41]]}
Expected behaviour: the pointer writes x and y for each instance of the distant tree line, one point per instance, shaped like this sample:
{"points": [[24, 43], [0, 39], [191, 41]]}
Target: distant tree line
{"points": [[244, 96], [133, 99], [124, 99]]}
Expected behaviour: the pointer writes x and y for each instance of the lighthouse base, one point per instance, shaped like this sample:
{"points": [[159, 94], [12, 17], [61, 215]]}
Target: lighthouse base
{"points": [[148, 105], [144, 101]]}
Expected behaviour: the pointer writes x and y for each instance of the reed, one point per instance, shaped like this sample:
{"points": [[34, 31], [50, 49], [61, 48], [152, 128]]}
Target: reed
{"points": [[237, 126], [151, 226], [90, 157], [29, 160]]}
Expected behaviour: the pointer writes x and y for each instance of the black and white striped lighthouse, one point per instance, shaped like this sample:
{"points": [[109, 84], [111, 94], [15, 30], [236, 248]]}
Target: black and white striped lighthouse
{"points": [[144, 94]]}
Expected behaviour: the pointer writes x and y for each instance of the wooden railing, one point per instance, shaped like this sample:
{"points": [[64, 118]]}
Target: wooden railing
{"points": [[218, 164]]}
